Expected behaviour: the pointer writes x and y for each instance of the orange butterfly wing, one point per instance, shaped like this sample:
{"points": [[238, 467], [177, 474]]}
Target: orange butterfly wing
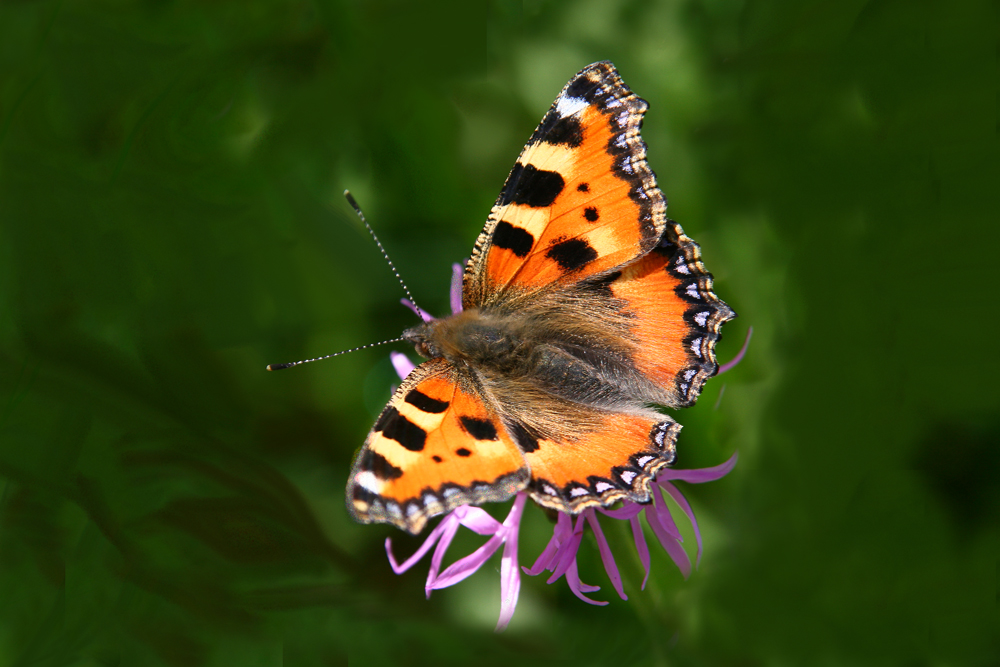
{"points": [[580, 200], [615, 462], [676, 316], [434, 447]]}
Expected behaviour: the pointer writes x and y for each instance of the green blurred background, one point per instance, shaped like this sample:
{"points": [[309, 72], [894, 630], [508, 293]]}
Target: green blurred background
{"points": [[171, 220]]}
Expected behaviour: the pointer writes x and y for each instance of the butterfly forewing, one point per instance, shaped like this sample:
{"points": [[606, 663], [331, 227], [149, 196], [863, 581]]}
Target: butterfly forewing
{"points": [[434, 447], [580, 200]]}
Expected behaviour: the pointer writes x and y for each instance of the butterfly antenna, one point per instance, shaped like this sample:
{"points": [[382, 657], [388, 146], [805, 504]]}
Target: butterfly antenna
{"points": [[357, 209], [278, 367]]}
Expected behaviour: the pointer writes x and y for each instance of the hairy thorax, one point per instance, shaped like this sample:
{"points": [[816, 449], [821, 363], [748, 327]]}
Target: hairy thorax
{"points": [[477, 340], [517, 359]]}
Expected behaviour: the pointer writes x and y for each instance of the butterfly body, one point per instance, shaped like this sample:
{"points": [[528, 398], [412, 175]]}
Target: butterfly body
{"points": [[585, 311], [563, 354]]}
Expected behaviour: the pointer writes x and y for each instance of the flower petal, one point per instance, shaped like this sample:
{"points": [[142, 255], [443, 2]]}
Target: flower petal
{"points": [[426, 317], [668, 542], [567, 552], [456, 288], [446, 537], [663, 516], [546, 560], [606, 557], [510, 574], [510, 584], [699, 475], [463, 568], [640, 546], [676, 494], [579, 588], [729, 365], [477, 520], [402, 364], [626, 511], [419, 553]]}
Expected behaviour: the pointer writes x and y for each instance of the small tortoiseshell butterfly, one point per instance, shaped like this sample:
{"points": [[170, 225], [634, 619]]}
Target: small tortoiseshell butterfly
{"points": [[584, 309]]}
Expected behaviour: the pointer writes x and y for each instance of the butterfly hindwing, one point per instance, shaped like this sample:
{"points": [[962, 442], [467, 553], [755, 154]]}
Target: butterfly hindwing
{"points": [[674, 315], [434, 447], [580, 200], [616, 461]]}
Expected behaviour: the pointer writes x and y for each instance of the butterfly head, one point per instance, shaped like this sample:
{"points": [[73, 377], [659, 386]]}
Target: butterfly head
{"points": [[423, 337]]}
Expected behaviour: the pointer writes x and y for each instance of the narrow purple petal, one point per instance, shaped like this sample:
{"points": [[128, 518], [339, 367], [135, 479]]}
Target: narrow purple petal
{"points": [[668, 542], [640, 546], [402, 364], [510, 584], [465, 567], [699, 475], [456, 288], [510, 574], [729, 365], [626, 511], [426, 317], [606, 557], [446, 537], [567, 555], [546, 560], [676, 494], [477, 520], [564, 527], [663, 516], [579, 588], [586, 588], [424, 548]]}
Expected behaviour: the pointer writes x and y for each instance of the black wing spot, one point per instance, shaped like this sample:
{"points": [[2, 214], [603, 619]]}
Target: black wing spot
{"points": [[387, 415], [581, 88], [557, 130], [515, 239], [396, 427], [425, 403], [572, 254], [590, 213], [437, 459], [525, 439], [379, 466], [462, 451], [532, 187], [583, 187], [480, 429]]}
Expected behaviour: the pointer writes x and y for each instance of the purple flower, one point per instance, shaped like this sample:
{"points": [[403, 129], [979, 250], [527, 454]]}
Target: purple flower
{"points": [[559, 556]]}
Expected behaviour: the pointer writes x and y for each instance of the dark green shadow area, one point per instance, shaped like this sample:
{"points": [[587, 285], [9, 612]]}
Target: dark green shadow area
{"points": [[171, 221]]}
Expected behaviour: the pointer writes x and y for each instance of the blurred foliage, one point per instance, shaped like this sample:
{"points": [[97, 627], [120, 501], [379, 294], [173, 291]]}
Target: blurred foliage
{"points": [[171, 220]]}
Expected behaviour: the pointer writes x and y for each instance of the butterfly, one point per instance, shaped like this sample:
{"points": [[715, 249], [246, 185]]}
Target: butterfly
{"points": [[585, 311]]}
